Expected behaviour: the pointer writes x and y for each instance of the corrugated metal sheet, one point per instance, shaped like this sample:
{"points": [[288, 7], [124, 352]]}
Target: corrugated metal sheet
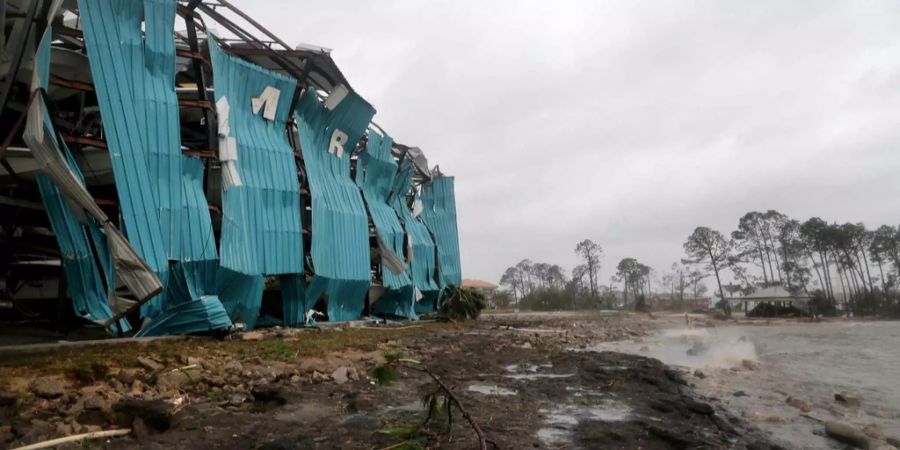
{"points": [[375, 171], [203, 315], [422, 260], [241, 295], [340, 241], [345, 297], [439, 214], [160, 190], [261, 232], [83, 274], [293, 300], [112, 35], [396, 303]]}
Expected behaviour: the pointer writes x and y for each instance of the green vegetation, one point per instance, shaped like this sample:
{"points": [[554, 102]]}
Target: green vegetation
{"points": [[462, 304], [845, 269], [384, 374]]}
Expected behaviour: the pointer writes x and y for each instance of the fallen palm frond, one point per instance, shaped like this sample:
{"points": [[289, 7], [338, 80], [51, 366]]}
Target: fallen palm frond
{"points": [[435, 402], [462, 304]]}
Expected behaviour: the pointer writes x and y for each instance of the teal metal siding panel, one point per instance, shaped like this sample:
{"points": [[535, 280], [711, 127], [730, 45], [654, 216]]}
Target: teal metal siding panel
{"points": [[397, 303], [439, 214], [293, 300], [340, 241], [156, 106], [340, 244], [112, 35], [422, 261], [160, 191], [83, 275], [375, 172], [241, 295], [195, 241], [203, 315], [261, 231]]}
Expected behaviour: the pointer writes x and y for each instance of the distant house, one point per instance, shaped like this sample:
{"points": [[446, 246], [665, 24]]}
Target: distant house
{"points": [[770, 301], [480, 285]]}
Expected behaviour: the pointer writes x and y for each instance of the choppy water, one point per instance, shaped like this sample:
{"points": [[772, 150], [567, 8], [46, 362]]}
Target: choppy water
{"points": [[809, 361]]}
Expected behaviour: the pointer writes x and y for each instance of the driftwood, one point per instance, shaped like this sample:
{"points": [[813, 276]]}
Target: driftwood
{"points": [[76, 438]]}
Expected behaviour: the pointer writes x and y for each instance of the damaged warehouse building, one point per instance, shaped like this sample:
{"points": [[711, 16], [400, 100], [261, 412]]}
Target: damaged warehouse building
{"points": [[172, 167]]}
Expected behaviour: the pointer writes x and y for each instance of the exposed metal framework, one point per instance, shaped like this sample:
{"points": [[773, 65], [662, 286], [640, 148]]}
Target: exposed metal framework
{"points": [[30, 255]]}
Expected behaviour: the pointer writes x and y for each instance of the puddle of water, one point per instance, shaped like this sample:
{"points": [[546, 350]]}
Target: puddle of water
{"points": [[554, 436], [529, 372], [535, 376], [302, 413], [561, 421], [413, 406], [611, 412], [487, 389], [538, 330], [522, 368]]}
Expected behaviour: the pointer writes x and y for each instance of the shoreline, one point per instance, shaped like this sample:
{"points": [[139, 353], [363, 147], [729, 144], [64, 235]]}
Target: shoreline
{"points": [[768, 372], [286, 388]]}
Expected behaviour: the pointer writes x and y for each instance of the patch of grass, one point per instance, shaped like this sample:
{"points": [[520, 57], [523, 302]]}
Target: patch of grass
{"points": [[409, 445], [214, 395], [401, 431], [281, 350], [385, 374]]}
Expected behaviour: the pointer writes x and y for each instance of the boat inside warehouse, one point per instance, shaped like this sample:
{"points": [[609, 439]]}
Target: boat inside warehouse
{"points": [[172, 167]]}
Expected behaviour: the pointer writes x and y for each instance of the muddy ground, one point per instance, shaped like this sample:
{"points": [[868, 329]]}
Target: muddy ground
{"points": [[523, 378]]}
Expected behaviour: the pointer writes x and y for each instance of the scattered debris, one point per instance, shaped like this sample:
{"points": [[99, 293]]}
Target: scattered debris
{"points": [[847, 400], [48, 387], [252, 336], [150, 364], [847, 434], [798, 403]]}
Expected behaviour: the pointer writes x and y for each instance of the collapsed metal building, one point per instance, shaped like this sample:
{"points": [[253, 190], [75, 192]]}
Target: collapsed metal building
{"points": [[172, 167]]}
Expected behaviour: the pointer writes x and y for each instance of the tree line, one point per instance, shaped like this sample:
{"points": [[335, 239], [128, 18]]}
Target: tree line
{"points": [[543, 286], [845, 268]]}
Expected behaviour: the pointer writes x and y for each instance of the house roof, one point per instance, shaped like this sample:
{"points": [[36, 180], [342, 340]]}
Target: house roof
{"points": [[776, 292], [481, 284]]}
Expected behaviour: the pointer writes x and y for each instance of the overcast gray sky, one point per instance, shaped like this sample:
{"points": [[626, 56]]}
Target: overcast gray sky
{"points": [[627, 122]]}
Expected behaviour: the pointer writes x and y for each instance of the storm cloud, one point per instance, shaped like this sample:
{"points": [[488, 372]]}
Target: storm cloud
{"points": [[629, 123]]}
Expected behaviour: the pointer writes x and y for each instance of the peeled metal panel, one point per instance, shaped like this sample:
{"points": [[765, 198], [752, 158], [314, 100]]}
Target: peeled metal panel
{"points": [[203, 315], [293, 299], [340, 244], [422, 254], [83, 275], [261, 231], [141, 280], [375, 171], [439, 214], [345, 297], [112, 35], [195, 240], [241, 295], [397, 303]]}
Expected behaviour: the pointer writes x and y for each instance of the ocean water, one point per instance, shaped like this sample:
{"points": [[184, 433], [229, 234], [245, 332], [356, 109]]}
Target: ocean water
{"points": [[811, 362]]}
